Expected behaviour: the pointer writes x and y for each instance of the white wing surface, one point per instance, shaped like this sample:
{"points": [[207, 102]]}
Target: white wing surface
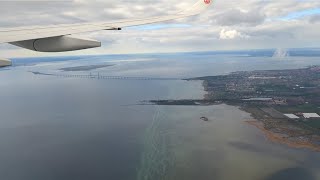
{"points": [[59, 38]]}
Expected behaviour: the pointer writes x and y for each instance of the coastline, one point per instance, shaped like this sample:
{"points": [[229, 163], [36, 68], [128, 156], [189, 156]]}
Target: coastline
{"points": [[282, 138]]}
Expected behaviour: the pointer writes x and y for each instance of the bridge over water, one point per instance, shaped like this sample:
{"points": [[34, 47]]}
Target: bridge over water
{"points": [[99, 76]]}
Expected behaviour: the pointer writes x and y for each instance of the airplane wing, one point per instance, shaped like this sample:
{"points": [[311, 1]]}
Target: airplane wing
{"points": [[56, 38]]}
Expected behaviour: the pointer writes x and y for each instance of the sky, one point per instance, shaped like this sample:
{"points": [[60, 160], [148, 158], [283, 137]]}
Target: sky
{"points": [[227, 25]]}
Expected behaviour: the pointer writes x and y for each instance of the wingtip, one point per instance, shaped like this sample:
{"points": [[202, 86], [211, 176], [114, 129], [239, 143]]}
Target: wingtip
{"points": [[207, 2], [198, 7]]}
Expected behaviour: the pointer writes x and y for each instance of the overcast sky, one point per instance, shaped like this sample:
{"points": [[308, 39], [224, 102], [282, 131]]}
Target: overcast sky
{"points": [[227, 25]]}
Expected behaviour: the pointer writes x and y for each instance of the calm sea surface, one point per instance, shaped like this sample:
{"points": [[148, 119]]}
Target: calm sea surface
{"points": [[58, 128]]}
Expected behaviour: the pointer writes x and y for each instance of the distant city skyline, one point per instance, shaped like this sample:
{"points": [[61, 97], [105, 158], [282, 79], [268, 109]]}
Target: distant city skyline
{"points": [[227, 25]]}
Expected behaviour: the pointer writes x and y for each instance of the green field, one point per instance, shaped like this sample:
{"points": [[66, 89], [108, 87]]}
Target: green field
{"points": [[314, 123], [306, 108]]}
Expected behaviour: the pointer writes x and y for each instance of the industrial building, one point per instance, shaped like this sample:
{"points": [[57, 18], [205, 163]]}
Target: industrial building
{"points": [[310, 115]]}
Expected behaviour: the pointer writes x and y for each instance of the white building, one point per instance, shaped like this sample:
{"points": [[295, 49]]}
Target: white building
{"points": [[310, 115], [291, 116]]}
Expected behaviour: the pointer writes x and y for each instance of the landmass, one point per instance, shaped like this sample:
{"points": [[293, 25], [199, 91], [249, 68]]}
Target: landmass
{"points": [[284, 103], [86, 68]]}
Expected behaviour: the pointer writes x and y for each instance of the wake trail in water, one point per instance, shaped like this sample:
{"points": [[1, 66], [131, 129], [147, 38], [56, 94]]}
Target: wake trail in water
{"points": [[156, 159]]}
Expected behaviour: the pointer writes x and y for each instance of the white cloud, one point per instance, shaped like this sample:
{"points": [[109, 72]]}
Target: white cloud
{"points": [[240, 17], [230, 34], [227, 25]]}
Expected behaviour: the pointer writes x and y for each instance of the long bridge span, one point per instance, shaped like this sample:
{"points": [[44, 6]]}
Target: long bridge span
{"points": [[99, 76]]}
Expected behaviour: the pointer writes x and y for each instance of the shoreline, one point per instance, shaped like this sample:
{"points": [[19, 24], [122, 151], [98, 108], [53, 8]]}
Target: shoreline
{"points": [[282, 139]]}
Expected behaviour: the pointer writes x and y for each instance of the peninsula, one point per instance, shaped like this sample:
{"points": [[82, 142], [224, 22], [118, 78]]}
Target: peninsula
{"points": [[284, 103]]}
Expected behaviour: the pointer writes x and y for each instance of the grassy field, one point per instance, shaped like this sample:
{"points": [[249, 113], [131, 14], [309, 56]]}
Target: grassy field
{"points": [[306, 108], [314, 123]]}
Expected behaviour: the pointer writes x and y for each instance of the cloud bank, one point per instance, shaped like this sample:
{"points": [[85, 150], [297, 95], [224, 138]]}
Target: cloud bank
{"points": [[227, 25]]}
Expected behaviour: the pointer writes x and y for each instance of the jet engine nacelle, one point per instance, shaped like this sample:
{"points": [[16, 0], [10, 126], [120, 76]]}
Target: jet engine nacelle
{"points": [[5, 62], [58, 44]]}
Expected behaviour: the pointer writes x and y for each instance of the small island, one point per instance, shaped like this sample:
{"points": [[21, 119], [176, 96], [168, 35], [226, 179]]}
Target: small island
{"points": [[86, 68], [204, 119]]}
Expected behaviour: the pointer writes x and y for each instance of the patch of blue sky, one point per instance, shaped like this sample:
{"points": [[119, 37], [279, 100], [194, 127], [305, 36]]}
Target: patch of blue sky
{"points": [[159, 26], [300, 14]]}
